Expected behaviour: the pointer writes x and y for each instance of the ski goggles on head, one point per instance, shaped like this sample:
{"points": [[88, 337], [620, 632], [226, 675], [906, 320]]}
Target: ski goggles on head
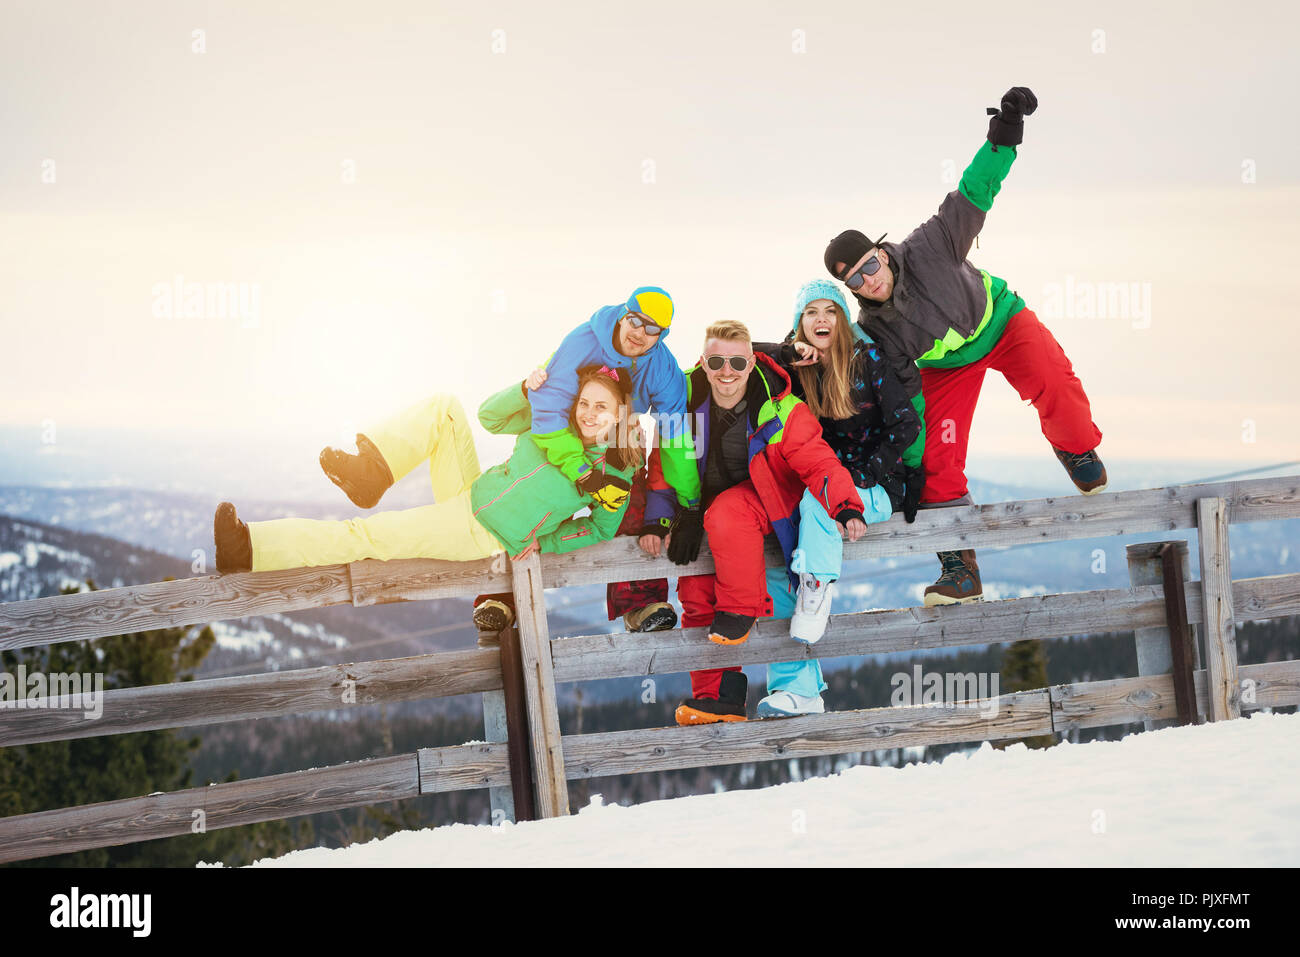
{"points": [[737, 363], [639, 321]]}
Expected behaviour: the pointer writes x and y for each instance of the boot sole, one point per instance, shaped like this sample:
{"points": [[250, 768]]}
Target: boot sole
{"points": [[491, 620], [766, 712], [932, 599], [1094, 491], [659, 621], [342, 484], [687, 716], [721, 640]]}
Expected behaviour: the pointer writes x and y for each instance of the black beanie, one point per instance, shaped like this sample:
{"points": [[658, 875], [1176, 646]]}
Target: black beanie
{"points": [[848, 247]]}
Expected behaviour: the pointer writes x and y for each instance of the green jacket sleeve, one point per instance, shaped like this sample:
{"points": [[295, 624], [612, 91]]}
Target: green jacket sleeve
{"points": [[574, 533], [678, 460], [983, 177], [913, 453], [952, 230], [507, 412], [563, 450]]}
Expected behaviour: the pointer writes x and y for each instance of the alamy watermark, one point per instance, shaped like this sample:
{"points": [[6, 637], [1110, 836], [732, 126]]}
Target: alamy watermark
{"points": [[934, 689], [53, 692], [1082, 299], [179, 299]]}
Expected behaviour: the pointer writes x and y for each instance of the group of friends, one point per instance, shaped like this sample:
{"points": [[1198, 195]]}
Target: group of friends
{"points": [[810, 439]]}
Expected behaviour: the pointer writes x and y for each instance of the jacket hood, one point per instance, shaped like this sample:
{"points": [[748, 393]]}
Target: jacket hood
{"points": [[651, 301]]}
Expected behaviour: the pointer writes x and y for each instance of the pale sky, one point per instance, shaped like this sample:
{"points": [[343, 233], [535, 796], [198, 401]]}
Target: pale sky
{"points": [[426, 197]]}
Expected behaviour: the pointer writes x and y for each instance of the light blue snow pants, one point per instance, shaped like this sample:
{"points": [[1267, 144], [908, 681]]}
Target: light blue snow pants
{"points": [[820, 554]]}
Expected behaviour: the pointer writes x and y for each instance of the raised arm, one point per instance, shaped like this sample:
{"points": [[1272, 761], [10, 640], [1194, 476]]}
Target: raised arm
{"points": [[961, 215]]}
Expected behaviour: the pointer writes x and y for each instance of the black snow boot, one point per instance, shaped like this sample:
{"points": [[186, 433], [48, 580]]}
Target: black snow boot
{"points": [[728, 706], [364, 477], [234, 547]]}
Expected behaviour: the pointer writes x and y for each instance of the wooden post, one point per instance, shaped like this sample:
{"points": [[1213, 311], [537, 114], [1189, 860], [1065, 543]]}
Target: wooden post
{"points": [[1145, 567], [1216, 599], [518, 746], [539, 685], [1173, 562], [494, 729]]}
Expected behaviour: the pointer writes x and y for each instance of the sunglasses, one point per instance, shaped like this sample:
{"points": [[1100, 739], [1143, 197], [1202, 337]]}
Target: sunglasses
{"points": [[737, 363], [638, 321], [855, 280]]}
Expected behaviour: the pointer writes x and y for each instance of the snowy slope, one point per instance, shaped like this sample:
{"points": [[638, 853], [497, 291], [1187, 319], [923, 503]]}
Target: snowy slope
{"points": [[1224, 794]]}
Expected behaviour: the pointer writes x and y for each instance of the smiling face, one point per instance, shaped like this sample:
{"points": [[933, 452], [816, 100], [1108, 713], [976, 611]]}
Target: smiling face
{"points": [[596, 412], [818, 324], [879, 287], [728, 385], [630, 341]]}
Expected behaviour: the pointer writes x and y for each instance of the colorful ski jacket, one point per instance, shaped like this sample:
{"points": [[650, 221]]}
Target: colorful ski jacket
{"points": [[787, 454], [871, 442], [944, 312], [527, 498], [657, 380]]}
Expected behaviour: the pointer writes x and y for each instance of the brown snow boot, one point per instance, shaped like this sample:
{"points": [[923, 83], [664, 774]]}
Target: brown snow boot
{"points": [[959, 582], [234, 546], [364, 477]]}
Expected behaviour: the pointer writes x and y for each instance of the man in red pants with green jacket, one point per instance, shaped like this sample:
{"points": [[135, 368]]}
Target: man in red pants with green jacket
{"points": [[943, 322]]}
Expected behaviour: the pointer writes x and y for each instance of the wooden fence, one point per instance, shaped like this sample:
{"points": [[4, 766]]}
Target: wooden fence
{"points": [[518, 686]]}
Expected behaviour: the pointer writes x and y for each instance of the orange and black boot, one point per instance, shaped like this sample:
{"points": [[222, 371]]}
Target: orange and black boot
{"points": [[959, 582], [730, 629], [729, 705], [364, 477]]}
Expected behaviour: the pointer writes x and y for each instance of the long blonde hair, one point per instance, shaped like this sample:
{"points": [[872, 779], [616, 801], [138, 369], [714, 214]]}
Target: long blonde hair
{"points": [[830, 394]]}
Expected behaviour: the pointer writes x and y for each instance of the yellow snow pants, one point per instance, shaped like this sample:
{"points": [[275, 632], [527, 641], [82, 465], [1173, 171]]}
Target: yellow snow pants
{"points": [[435, 429]]}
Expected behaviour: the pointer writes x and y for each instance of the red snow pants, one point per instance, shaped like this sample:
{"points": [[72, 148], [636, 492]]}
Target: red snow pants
{"points": [[1036, 366], [735, 523]]}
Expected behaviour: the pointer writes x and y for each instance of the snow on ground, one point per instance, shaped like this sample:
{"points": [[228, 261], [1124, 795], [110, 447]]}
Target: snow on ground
{"points": [[1224, 794]]}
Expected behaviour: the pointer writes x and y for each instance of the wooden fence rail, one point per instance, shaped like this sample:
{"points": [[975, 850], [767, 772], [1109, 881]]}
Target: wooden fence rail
{"points": [[1223, 689]]}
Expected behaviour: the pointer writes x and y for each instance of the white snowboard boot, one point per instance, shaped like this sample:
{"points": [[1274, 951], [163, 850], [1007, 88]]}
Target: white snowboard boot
{"points": [[787, 704], [812, 607]]}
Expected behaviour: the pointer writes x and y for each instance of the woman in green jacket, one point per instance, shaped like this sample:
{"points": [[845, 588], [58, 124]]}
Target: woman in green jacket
{"points": [[522, 506]]}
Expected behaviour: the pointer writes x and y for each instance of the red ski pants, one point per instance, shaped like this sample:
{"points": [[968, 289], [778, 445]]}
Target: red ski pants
{"points": [[1036, 366], [736, 523]]}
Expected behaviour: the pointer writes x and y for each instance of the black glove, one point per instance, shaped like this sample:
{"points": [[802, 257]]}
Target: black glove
{"points": [[913, 483], [687, 534], [1007, 126]]}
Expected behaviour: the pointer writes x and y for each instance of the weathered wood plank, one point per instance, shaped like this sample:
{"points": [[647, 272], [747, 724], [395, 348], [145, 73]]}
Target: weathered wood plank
{"points": [[552, 792], [1216, 602], [219, 805], [215, 598], [274, 694], [185, 601], [660, 749], [464, 766], [860, 633], [1004, 523], [418, 579], [1273, 684], [1129, 700], [624, 654]]}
